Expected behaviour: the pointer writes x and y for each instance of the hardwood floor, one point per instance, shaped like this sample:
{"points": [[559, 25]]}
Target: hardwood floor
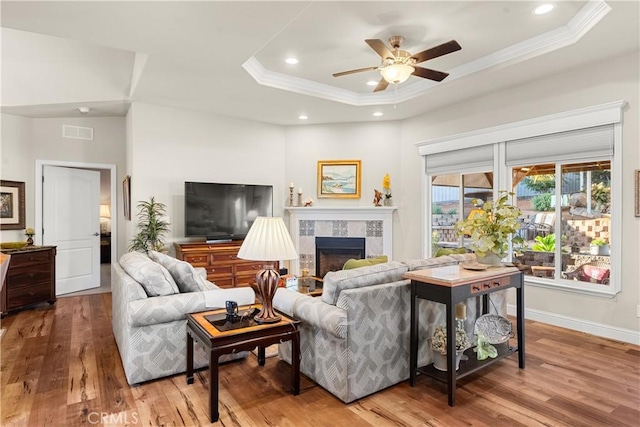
{"points": [[60, 367]]}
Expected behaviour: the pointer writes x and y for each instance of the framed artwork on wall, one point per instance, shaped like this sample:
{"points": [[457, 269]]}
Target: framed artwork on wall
{"points": [[12, 204], [339, 179], [126, 197]]}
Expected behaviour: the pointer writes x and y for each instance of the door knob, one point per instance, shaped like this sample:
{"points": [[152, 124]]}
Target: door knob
{"points": [[96, 234]]}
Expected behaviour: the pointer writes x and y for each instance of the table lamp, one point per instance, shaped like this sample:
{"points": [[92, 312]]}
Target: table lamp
{"points": [[268, 240]]}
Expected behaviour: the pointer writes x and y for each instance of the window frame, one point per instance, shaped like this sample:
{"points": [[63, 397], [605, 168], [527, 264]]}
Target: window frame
{"points": [[498, 136]]}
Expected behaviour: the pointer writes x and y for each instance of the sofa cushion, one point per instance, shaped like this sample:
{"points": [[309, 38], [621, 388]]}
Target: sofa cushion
{"points": [[355, 263], [337, 281], [183, 273], [154, 278], [449, 251]]}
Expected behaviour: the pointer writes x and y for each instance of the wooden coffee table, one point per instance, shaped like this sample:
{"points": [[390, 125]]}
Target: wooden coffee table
{"points": [[220, 336]]}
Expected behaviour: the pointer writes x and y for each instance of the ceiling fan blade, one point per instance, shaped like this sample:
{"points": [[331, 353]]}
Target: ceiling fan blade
{"points": [[359, 70], [380, 48], [430, 74], [434, 52], [382, 85]]}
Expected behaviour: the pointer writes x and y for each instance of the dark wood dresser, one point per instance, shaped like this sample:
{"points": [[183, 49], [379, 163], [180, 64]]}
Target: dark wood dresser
{"points": [[31, 278]]}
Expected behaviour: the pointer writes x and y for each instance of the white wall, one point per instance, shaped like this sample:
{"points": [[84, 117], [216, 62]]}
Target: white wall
{"points": [[169, 147], [611, 80], [25, 140], [18, 165]]}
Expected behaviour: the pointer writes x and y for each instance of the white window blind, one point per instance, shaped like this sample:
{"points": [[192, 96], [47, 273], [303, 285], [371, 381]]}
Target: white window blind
{"points": [[481, 156], [572, 145]]}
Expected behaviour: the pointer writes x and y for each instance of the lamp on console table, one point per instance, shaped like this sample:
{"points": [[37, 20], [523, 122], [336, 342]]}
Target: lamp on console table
{"points": [[267, 240]]}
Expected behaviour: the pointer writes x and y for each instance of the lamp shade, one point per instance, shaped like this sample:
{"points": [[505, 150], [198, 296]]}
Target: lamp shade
{"points": [[397, 73], [267, 240], [105, 211]]}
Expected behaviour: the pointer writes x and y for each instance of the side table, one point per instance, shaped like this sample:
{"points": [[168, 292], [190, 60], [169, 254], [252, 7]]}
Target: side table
{"points": [[220, 336], [451, 285]]}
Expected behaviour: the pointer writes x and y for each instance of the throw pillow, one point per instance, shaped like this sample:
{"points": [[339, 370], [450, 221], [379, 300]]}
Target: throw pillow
{"points": [[185, 276], [154, 278], [449, 251], [355, 263]]}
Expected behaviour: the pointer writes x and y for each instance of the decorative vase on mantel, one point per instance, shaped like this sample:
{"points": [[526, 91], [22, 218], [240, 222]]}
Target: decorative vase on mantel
{"points": [[388, 201]]}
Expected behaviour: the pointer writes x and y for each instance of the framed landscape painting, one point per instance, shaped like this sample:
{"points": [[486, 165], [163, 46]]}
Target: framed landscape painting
{"points": [[11, 205], [339, 179]]}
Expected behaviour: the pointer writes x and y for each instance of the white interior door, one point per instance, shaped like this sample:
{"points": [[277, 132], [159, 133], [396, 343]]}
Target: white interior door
{"points": [[70, 219]]}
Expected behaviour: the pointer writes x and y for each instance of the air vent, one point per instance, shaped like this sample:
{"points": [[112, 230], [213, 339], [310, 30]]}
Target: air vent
{"points": [[77, 132]]}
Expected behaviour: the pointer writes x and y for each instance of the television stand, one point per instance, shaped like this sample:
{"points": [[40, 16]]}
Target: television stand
{"points": [[221, 261], [218, 241]]}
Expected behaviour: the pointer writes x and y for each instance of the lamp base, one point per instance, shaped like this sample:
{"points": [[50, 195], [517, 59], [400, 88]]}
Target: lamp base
{"points": [[267, 284]]}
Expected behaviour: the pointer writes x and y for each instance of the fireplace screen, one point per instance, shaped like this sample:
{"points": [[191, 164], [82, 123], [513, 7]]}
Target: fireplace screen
{"points": [[333, 252]]}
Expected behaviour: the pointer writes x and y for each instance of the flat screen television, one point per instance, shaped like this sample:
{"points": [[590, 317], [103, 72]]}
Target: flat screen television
{"points": [[219, 211]]}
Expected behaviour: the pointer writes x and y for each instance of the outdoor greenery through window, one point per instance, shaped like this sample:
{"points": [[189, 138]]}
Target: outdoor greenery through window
{"points": [[566, 222], [452, 194]]}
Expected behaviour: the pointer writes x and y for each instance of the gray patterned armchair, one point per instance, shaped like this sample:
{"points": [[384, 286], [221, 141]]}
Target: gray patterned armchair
{"points": [[151, 330], [355, 338]]}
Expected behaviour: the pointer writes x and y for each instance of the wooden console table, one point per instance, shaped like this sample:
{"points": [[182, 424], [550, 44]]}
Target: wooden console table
{"points": [[451, 285]]}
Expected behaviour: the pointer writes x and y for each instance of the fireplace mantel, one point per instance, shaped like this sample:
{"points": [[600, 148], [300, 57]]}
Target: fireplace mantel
{"points": [[323, 219]]}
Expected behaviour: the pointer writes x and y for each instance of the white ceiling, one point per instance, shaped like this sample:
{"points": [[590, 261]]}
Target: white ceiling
{"points": [[228, 57]]}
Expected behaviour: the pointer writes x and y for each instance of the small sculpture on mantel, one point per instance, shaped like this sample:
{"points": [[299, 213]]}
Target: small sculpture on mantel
{"points": [[377, 197], [308, 203]]}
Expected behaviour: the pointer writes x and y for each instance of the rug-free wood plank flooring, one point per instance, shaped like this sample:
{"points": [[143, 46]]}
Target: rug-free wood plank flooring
{"points": [[60, 367]]}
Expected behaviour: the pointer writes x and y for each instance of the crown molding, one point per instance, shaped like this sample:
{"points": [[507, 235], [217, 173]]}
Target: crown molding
{"points": [[583, 21]]}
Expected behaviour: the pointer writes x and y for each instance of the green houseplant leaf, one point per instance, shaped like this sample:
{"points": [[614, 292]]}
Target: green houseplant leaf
{"points": [[151, 227], [490, 229]]}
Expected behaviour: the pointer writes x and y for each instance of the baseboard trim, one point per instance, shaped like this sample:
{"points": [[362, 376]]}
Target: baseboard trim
{"points": [[594, 328]]}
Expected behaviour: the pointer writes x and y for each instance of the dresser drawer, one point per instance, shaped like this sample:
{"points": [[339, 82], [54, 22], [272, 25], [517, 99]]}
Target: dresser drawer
{"points": [[246, 267], [198, 259], [222, 282], [221, 270], [25, 294], [30, 258], [489, 284], [18, 277], [225, 256]]}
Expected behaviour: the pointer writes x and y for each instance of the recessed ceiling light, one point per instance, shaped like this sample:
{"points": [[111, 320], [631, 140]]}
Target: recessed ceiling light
{"points": [[291, 61], [543, 8], [303, 117], [372, 83], [378, 113]]}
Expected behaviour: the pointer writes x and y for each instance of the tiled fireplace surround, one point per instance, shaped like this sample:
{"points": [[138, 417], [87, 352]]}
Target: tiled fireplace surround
{"points": [[375, 224]]}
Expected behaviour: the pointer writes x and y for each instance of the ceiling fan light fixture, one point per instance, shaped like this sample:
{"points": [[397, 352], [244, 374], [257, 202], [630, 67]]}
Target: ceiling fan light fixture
{"points": [[397, 73]]}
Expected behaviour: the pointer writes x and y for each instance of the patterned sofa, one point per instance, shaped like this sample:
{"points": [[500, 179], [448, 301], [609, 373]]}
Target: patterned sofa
{"points": [[355, 338], [151, 330]]}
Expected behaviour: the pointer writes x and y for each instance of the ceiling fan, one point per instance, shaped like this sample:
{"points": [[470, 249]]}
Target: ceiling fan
{"points": [[397, 64]]}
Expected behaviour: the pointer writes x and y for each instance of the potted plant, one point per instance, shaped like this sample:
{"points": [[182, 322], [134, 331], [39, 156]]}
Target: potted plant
{"points": [[439, 345], [490, 229], [599, 247], [151, 227]]}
